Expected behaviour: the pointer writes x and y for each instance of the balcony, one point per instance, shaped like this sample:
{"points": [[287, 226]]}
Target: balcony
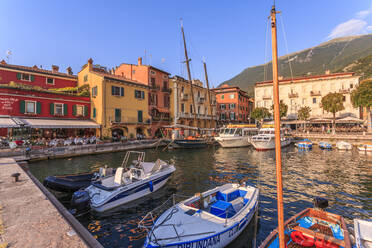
{"points": [[154, 87], [292, 95], [166, 90], [161, 118], [344, 91], [200, 100], [184, 97], [266, 97], [185, 115], [128, 120], [315, 93]]}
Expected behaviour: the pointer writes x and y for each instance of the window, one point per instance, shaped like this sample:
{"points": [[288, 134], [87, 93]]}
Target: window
{"points": [[139, 94], [182, 108], [94, 112], [232, 115], [80, 110], [165, 84], [351, 86], [232, 96], [25, 77], [94, 91], [222, 96], [152, 72], [117, 115], [222, 106], [198, 109], [190, 109], [153, 82], [182, 89], [166, 101], [344, 98], [117, 91], [314, 100], [30, 107], [58, 109], [232, 105], [140, 117], [303, 101], [222, 116], [50, 81], [85, 78]]}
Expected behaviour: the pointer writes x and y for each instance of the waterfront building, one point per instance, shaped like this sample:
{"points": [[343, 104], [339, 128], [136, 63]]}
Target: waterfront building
{"points": [[233, 104], [42, 103], [159, 94], [308, 91], [118, 104], [182, 107]]}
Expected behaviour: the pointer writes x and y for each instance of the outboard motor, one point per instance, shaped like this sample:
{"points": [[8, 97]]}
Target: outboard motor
{"points": [[321, 203], [80, 202]]}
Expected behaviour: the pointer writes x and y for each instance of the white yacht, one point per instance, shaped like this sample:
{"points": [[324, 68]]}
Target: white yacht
{"points": [[265, 140], [236, 135]]}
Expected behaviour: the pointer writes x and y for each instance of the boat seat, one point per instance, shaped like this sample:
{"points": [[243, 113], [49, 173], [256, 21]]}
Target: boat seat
{"points": [[119, 175]]}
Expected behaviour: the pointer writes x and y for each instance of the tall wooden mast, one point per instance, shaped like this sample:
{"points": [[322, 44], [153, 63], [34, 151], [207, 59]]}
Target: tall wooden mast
{"points": [[278, 158], [189, 73], [209, 93]]}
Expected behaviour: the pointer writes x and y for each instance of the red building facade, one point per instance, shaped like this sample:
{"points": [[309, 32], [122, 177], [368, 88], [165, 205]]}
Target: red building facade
{"points": [[233, 104]]}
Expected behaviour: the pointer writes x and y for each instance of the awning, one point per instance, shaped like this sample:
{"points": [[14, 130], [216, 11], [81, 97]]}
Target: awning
{"points": [[6, 122], [349, 119], [51, 123]]}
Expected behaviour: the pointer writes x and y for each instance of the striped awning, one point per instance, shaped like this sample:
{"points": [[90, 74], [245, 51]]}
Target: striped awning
{"points": [[52, 123], [7, 122]]}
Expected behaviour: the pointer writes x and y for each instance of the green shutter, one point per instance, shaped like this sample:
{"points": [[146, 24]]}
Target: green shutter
{"points": [[32, 78], [74, 110], [121, 91], [112, 90], [22, 107], [85, 110], [140, 116], [38, 107], [94, 112], [52, 108], [65, 109], [18, 76]]}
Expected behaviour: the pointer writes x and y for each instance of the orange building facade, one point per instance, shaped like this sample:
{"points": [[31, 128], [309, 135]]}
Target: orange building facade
{"points": [[233, 104], [160, 91]]}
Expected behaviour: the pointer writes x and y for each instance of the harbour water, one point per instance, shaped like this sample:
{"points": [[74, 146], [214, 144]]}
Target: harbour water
{"points": [[344, 178]]}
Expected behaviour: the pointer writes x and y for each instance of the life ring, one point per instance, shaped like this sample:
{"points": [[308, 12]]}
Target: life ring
{"points": [[324, 244], [300, 239]]}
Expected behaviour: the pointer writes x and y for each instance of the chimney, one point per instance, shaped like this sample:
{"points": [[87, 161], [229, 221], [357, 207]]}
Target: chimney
{"points": [[3, 62], [69, 70], [140, 61], [90, 64], [35, 67], [327, 72], [55, 68]]}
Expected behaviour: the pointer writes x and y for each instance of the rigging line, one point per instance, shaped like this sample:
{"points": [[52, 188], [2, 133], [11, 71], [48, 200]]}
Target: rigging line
{"points": [[286, 45], [265, 59]]}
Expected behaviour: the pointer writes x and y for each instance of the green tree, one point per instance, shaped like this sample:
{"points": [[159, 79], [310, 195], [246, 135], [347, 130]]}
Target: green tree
{"points": [[260, 114], [283, 109], [361, 96], [304, 113], [333, 103]]}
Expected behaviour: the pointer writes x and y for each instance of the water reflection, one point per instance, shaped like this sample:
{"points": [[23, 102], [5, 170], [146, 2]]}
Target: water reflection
{"points": [[342, 177]]}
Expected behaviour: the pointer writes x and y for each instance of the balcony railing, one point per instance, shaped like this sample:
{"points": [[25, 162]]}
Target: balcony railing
{"points": [[266, 97], [154, 87], [184, 97], [292, 95], [128, 120], [166, 90], [200, 100], [344, 91], [315, 93]]}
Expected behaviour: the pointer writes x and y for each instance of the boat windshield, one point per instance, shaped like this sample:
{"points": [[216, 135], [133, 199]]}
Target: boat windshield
{"points": [[232, 130], [238, 132]]}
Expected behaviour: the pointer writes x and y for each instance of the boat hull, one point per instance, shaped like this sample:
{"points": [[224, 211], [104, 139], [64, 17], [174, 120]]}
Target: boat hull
{"points": [[233, 142], [189, 144], [68, 183], [269, 145]]}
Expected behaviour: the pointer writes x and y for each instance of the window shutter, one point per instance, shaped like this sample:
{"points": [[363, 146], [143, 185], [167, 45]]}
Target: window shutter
{"points": [[65, 109], [142, 94], [85, 110], [93, 91], [112, 90], [22, 107], [140, 116], [19, 78], [121, 91], [94, 112], [52, 108], [74, 110], [32, 78], [38, 107]]}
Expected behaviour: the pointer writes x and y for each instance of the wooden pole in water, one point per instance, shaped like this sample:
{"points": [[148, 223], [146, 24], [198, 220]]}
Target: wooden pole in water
{"points": [[278, 158], [189, 74]]}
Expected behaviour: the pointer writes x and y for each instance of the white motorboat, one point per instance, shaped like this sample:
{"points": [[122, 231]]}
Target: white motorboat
{"points": [[211, 219], [363, 233], [131, 181], [236, 135], [265, 139], [365, 147], [343, 145]]}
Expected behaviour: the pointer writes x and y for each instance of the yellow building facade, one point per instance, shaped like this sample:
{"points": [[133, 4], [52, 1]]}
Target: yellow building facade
{"points": [[118, 104], [182, 110], [308, 91]]}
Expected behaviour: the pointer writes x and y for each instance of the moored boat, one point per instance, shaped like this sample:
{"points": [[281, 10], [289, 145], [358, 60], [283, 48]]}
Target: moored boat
{"points": [[365, 147], [363, 233], [265, 139], [132, 180], [211, 219], [236, 135], [325, 145], [343, 145], [304, 144]]}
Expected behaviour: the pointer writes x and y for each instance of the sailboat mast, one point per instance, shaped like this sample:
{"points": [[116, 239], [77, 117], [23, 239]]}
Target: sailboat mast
{"points": [[189, 73], [278, 158], [209, 93]]}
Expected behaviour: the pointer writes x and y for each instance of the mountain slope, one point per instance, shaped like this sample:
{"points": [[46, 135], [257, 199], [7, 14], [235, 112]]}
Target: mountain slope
{"points": [[334, 55]]}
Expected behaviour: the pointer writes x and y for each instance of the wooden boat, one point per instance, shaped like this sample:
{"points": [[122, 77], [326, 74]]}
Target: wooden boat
{"points": [[343, 145], [325, 145], [211, 219], [363, 233]]}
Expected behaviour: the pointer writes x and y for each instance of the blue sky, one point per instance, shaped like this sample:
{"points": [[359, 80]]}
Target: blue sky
{"points": [[230, 34]]}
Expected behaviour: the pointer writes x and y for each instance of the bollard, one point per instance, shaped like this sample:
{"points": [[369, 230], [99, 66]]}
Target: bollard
{"points": [[16, 176]]}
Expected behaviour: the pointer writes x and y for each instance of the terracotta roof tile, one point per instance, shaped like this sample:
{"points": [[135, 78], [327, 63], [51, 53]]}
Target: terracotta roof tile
{"points": [[120, 78]]}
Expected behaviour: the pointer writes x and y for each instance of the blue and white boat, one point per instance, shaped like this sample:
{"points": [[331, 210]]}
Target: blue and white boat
{"points": [[325, 145], [210, 219], [131, 181], [304, 144], [363, 233]]}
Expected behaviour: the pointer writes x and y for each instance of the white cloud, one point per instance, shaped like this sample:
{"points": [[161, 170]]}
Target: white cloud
{"points": [[350, 27], [369, 28], [363, 14]]}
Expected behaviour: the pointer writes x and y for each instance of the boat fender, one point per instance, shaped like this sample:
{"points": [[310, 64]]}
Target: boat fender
{"points": [[151, 186], [300, 239], [325, 244]]}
